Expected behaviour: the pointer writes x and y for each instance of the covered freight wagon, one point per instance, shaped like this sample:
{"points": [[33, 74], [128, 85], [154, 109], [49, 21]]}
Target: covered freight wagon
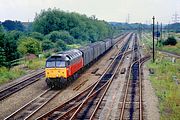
{"points": [[87, 54]]}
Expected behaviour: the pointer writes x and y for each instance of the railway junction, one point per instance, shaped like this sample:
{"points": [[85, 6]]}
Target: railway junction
{"points": [[113, 87]]}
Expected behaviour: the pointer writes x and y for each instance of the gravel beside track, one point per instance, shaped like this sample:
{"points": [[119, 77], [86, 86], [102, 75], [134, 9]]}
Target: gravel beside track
{"points": [[149, 97], [110, 104], [20, 98], [30, 108]]}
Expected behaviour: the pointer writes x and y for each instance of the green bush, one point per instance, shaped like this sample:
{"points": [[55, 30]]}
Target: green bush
{"points": [[28, 45], [170, 41]]}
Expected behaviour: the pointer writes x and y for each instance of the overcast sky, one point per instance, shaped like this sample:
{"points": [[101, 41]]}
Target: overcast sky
{"points": [[109, 10]]}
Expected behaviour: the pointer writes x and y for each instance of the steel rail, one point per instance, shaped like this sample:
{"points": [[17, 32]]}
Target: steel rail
{"points": [[4, 93], [33, 106], [140, 61], [134, 61]]}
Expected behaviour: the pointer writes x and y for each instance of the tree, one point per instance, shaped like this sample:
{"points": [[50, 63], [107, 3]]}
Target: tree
{"points": [[2, 52], [28, 45], [16, 34], [79, 26], [37, 35], [2, 57], [1, 32], [63, 35], [10, 47], [1, 29], [13, 25], [47, 44], [60, 45]]}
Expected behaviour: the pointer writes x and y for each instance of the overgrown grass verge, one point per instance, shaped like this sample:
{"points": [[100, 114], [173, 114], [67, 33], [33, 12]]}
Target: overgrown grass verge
{"points": [[173, 49], [7, 75], [166, 87], [35, 63]]}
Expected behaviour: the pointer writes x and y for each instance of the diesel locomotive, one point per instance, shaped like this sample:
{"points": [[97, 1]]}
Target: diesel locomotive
{"points": [[65, 66]]}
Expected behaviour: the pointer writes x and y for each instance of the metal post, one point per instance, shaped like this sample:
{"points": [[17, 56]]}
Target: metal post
{"points": [[153, 38]]}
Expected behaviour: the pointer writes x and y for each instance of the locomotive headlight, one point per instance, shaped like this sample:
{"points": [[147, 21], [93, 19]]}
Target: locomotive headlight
{"points": [[56, 75]]}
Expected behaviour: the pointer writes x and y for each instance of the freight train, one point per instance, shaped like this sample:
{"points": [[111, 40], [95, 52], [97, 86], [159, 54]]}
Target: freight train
{"points": [[64, 67]]}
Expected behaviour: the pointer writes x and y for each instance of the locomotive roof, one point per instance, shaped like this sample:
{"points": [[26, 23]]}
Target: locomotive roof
{"points": [[67, 55]]}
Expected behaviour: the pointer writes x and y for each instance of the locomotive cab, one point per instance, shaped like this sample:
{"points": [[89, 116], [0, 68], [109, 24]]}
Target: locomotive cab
{"points": [[62, 66], [56, 66]]}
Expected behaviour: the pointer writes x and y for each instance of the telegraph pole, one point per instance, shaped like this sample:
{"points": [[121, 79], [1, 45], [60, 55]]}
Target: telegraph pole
{"points": [[153, 38]]}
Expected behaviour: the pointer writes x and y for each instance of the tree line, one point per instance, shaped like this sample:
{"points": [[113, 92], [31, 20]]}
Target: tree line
{"points": [[51, 29]]}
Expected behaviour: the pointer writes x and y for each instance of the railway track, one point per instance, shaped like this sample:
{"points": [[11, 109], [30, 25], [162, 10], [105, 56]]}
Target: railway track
{"points": [[20, 85], [88, 106], [66, 110], [91, 108], [108, 108], [132, 103], [33, 106]]}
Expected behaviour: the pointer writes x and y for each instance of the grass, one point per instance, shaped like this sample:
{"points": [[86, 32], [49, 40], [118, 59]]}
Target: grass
{"points": [[147, 41], [174, 49], [35, 63], [7, 75], [166, 88]]}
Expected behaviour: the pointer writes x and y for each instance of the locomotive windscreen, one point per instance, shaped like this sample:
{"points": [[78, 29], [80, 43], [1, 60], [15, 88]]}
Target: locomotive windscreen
{"points": [[50, 64], [57, 64]]}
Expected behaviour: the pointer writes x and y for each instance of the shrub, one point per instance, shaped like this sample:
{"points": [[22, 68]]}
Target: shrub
{"points": [[28, 45], [170, 41]]}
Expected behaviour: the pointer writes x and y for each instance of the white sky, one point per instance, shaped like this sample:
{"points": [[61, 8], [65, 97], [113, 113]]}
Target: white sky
{"points": [[109, 10]]}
